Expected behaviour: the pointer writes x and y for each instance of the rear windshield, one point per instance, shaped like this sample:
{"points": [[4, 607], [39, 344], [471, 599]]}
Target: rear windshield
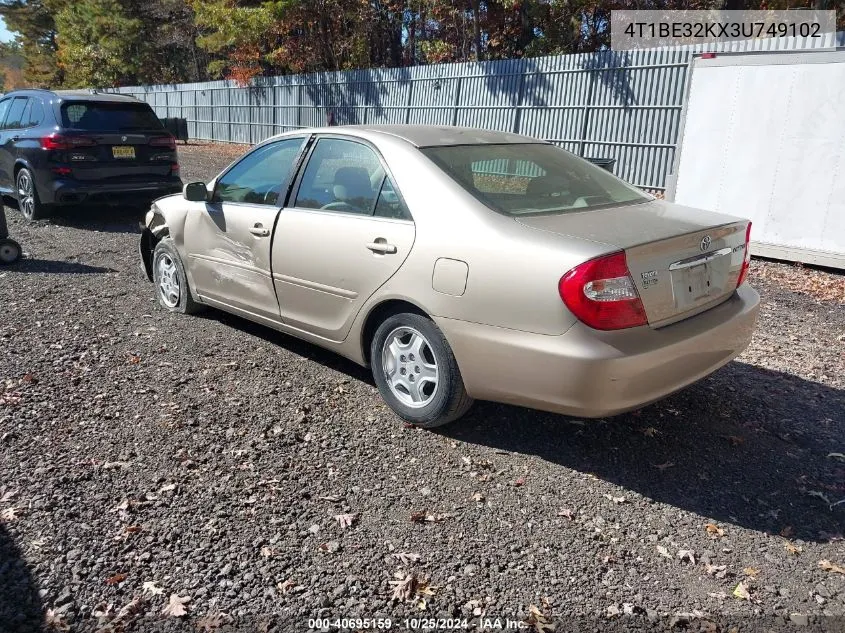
{"points": [[526, 179], [109, 117]]}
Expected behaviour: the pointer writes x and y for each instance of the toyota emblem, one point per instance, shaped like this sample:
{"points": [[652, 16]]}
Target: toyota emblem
{"points": [[705, 242]]}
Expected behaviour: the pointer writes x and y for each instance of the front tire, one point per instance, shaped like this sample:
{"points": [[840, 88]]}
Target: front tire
{"points": [[30, 205], [416, 371], [171, 283]]}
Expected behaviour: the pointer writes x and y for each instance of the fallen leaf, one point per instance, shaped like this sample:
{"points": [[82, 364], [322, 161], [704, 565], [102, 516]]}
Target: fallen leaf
{"points": [[687, 554], [650, 431], [615, 499], [719, 595], [519, 482], [719, 571], [175, 607], [406, 557], [167, 488], [478, 497], [741, 592], [267, 552], [787, 532], [344, 520], [329, 547], [663, 552], [213, 621], [792, 549], [116, 579], [829, 566], [134, 359], [30, 379], [418, 517], [152, 588], [404, 589], [538, 620], [663, 466], [289, 586], [751, 572], [566, 512], [55, 622], [714, 530], [129, 611]]}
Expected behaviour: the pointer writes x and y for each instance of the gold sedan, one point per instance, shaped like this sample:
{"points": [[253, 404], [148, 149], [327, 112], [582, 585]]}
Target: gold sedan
{"points": [[461, 264]]}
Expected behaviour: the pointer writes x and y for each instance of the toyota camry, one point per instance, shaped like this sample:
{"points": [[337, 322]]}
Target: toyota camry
{"points": [[461, 264]]}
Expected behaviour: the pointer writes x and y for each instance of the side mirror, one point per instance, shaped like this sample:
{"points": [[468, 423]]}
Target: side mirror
{"points": [[195, 192]]}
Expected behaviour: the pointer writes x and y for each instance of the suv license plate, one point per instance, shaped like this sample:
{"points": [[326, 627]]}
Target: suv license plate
{"points": [[123, 151]]}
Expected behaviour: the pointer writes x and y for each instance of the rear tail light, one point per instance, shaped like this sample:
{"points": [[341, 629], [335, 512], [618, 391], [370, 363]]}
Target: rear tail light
{"points": [[746, 262], [62, 171], [601, 294], [163, 141], [174, 168], [59, 142]]}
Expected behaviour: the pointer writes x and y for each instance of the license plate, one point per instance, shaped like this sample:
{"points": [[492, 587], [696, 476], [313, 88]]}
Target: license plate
{"points": [[699, 281], [123, 151]]}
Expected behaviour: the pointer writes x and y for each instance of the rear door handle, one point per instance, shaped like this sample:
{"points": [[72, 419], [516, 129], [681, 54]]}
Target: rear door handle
{"points": [[382, 248], [260, 231]]}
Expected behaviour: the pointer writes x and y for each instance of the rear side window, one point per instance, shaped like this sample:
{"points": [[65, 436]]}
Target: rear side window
{"points": [[109, 117], [36, 114], [4, 110], [13, 121]]}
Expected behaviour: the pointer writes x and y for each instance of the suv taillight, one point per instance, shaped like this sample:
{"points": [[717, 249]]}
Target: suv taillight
{"points": [[601, 293], [746, 262], [57, 141], [163, 141]]}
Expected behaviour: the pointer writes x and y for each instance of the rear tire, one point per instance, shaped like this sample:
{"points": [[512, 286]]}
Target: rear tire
{"points": [[29, 203], [416, 371], [10, 252], [171, 283]]}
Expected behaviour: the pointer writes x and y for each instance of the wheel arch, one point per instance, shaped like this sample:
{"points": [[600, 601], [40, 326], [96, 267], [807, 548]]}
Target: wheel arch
{"points": [[156, 229], [377, 314]]}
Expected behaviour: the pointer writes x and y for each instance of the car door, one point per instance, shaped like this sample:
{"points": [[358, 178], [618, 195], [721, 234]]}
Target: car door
{"points": [[345, 234], [228, 239], [9, 135]]}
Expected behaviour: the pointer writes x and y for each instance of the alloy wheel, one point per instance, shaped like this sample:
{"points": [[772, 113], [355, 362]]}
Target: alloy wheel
{"points": [[410, 367], [168, 281], [26, 195]]}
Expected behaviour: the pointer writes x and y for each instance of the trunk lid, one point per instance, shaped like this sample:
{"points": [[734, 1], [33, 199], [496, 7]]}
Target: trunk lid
{"points": [[683, 260]]}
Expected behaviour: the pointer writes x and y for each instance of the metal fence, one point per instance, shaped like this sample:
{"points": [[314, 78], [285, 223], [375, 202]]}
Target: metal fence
{"points": [[622, 105]]}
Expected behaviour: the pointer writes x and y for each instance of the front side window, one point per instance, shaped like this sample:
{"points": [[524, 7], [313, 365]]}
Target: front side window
{"points": [[341, 176], [531, 178], [260, 176], [94, 116], [13, 120]]}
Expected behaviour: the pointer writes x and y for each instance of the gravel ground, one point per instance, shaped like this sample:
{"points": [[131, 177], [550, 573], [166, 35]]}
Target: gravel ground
{"points": [[152, 464]]}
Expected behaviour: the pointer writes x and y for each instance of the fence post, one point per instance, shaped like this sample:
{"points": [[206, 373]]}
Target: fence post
{"points": [[299, 103], [213, 111], [410, 100], [586, 111], [273, 103], [457, 99], [517, 117]]}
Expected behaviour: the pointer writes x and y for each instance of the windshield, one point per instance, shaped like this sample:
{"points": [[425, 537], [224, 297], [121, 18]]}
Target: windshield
{"points": [[109, 117], [531, 178]]}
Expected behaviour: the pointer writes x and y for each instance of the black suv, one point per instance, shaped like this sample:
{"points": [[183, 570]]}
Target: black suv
{"points": [[68, 147]]}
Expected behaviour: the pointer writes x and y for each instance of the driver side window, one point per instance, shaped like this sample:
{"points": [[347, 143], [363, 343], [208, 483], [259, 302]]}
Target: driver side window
{"points": [[342, 176], [260, 176]]}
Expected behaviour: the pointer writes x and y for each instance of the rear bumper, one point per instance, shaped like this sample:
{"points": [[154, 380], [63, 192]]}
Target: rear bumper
{"points": [[74, 191], [592, 374]]}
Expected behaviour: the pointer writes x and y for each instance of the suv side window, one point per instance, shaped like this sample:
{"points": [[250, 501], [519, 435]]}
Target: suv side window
{"points": [[4, 110], [341, 176], [35, 113], [13, 121], [260, 175]]}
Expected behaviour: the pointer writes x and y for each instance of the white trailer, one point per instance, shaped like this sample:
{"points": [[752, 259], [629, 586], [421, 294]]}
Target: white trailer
{"points": [[763, 137]]}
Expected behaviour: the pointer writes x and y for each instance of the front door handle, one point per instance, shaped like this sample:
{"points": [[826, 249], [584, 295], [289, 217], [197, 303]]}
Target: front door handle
{"points": [[260, 231], [16, 138], [382, 247]]}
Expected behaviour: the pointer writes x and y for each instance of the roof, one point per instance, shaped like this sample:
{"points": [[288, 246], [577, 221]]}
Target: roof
{"points": [[95, 96], [439, 135]]}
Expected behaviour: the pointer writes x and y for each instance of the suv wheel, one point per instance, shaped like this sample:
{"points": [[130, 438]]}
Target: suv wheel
{"points": [[28, 202]]}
